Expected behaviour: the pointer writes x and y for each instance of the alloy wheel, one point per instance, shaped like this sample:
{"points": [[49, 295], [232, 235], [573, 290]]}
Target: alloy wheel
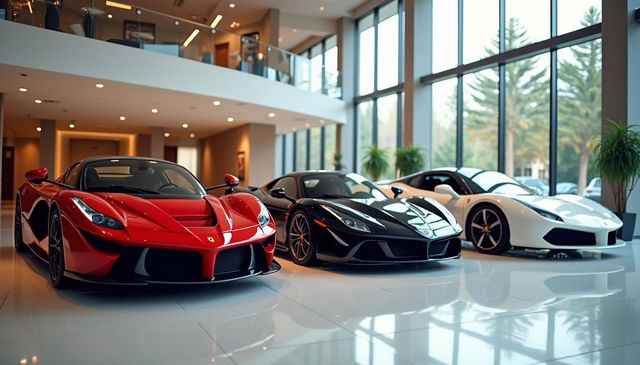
{"points": [[486, 229], [56, 255], [300, 238]]}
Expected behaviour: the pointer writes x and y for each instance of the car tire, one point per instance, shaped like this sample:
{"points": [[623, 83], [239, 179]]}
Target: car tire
{"points": [[487, 228], [18, 242], [300, 244], [56, 252]]}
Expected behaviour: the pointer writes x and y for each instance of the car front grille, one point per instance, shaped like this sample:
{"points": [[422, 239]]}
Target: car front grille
{"points": [[173, 265], [570, 237], [611, 238], [239, 261]]}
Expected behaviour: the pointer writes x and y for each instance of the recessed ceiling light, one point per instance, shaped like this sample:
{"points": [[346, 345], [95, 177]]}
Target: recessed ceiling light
{"points": [[38, 129], [293, 129], [321, 121], [271, 115], [216, 102], [280, 39], [167, 134], [192, 135], [294, 30], [99, 86], [232, 5], [185, 125], [71, 125], [230, 119], [123, 117], [38, 101], [307, 125], [23, 89], [154, 110], [322, 8], [109, 16]]}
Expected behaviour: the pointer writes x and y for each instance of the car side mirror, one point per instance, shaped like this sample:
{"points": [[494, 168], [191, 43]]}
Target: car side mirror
{"points": [[446, 190], [278, 193], [396, 191], [37, 176], [231, 180]]}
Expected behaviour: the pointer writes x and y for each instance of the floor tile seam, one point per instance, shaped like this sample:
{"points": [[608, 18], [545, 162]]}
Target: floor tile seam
{"points": [[355, 338], [549, 308], [7, 295], [313, 311], [225, 352], [589, 352], [90, 333]]}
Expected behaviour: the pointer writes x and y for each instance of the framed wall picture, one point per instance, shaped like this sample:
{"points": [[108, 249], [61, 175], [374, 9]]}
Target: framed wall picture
{"points": [[241, 165], [139, 31]]}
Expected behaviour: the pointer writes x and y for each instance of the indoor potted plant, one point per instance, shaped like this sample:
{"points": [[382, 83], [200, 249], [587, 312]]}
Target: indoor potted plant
{"points": [[409, 159], [375, 162], [337, 161], [617, 159]]}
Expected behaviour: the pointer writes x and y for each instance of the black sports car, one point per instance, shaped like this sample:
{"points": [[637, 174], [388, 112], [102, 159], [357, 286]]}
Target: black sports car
{"points": [[343, 217]]}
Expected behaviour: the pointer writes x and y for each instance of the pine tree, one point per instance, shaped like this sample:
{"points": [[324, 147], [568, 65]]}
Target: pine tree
{"points": [[580, 99], [526, 106]]}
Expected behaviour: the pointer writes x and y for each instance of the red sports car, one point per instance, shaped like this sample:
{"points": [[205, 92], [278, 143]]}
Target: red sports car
{"points": [[141, 220]]}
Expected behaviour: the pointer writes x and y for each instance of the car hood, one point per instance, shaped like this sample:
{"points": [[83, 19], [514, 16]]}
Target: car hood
{"points": [[573, 209], [392, 216]]}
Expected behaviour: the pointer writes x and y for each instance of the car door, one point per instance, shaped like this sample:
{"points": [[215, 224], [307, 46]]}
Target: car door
{"points": [[279, 208]]}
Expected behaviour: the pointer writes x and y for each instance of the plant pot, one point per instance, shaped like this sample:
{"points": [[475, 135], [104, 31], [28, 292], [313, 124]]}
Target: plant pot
{"points": [[625, 232]]}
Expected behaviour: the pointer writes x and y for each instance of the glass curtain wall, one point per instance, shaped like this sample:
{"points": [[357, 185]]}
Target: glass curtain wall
{"points": [[379, 88], [534, 117], [315, 150]]}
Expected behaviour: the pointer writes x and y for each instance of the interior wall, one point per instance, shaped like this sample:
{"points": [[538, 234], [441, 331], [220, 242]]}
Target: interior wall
{"points": [[262, 157], [26, 157], [220, 155], [82, 148]]}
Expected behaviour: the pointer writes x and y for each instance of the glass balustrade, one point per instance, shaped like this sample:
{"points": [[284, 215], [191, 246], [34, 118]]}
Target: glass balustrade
{"points": [[133, 26]]}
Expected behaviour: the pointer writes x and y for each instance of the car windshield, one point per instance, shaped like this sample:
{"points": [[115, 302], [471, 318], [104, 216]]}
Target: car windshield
{"points": [[328, 185], [495, 182], [136, 176]]}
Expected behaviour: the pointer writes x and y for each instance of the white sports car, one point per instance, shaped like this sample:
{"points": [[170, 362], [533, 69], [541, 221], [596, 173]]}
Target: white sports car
{"points": [[497, 212]]}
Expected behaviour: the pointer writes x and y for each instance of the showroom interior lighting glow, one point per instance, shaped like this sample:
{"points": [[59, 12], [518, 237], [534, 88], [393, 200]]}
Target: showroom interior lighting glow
{"points": [[216, 102], [114, 4], [230, 119], [191, 37], [38, 101], [38, 129], [215, 21], [23, 89], [185, 125], [99, 86], [122, 117], [72, 126], [271, 115], [154, 110], [167, 134], [192, 135]]}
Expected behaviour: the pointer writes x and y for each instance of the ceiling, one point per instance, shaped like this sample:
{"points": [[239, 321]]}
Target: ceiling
{"points": [[252, 11], [75, 99]]}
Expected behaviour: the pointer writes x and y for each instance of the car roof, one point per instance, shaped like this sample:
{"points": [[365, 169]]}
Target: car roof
{"points": [[105, 158]]}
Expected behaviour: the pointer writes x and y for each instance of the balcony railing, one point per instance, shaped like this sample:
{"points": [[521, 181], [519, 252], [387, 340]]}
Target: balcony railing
{"points": [[153, 31]]}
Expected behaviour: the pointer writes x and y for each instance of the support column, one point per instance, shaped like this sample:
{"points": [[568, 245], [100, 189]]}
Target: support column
{"points": [[346, 133], [157, 142], [48, 150], [633, 93], [1, 128], [262, 154], [417, 62]]}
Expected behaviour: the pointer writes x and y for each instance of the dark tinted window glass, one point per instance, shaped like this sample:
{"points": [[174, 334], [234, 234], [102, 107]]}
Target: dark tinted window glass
{"points": [[72, 176], [289, 185], [431, 181]]}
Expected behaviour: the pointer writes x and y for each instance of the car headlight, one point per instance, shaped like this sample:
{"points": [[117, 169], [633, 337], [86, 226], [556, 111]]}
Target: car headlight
{"points": [[348, 221], [542, 212], [97, 218], [263, 217]]}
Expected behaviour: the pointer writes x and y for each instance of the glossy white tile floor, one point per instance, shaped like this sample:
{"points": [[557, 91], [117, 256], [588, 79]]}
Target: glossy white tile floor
{"points": [[516, 309]]}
